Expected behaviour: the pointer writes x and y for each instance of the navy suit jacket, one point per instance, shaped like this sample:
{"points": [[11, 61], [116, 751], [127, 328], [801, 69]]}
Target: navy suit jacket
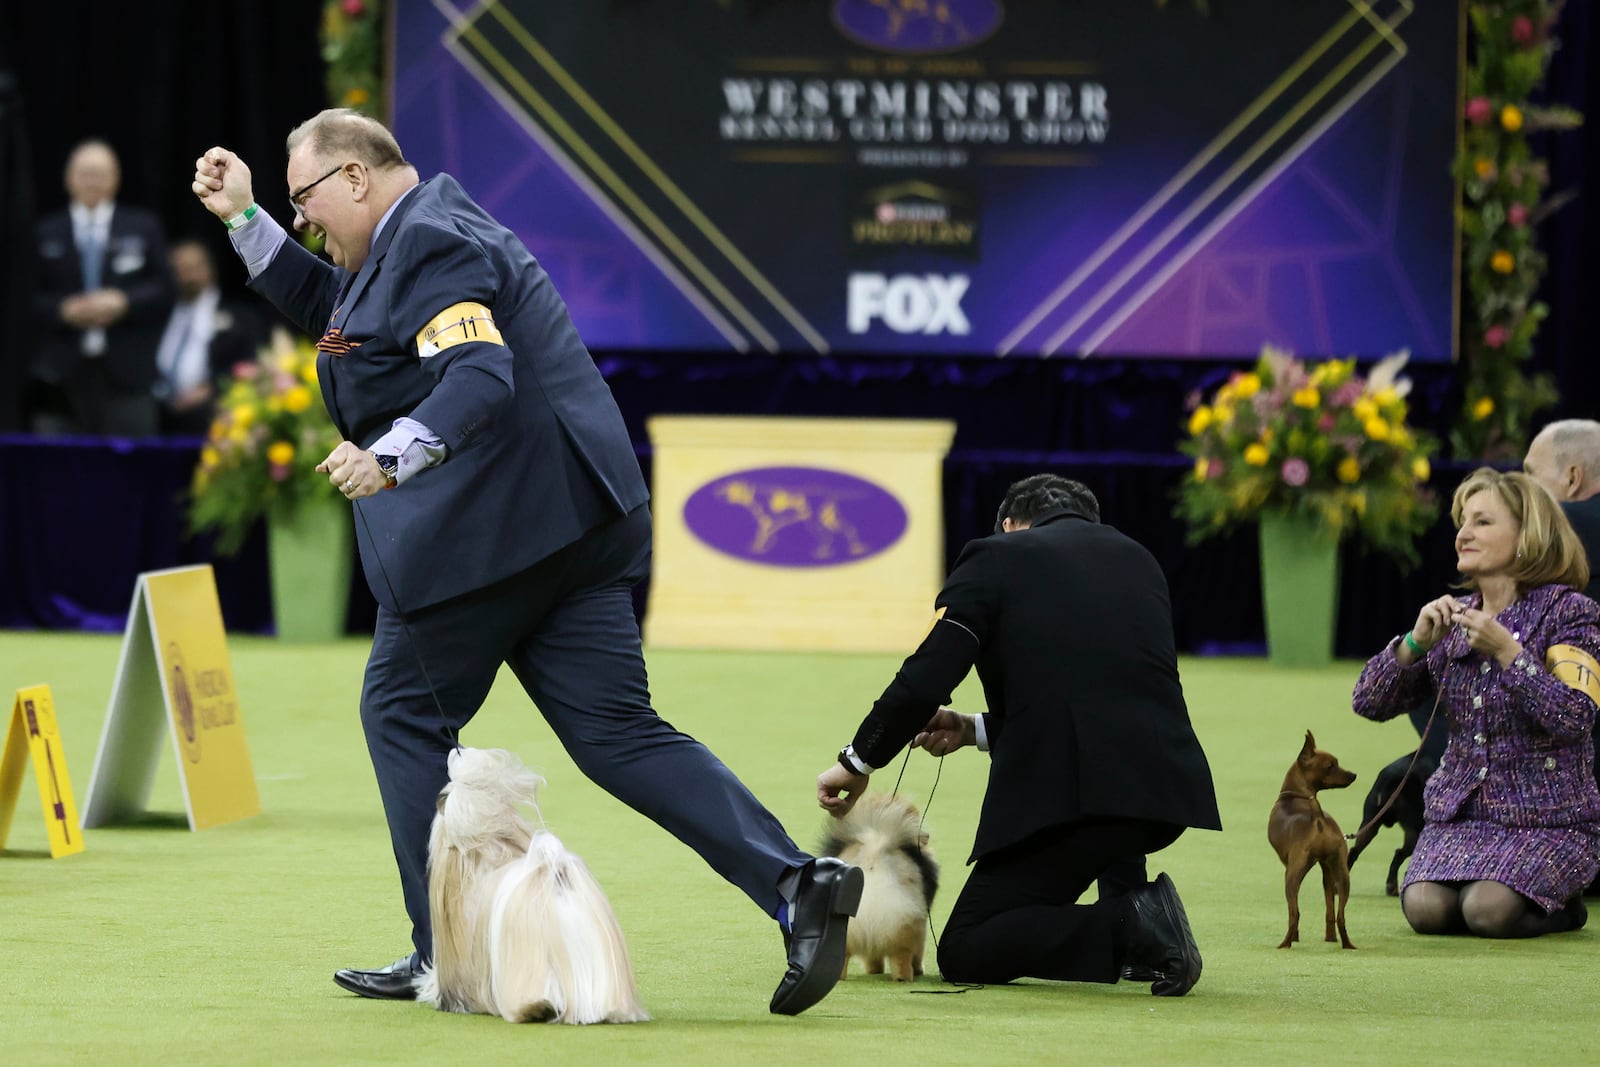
{"points": [[538, 452], [135, 262]]}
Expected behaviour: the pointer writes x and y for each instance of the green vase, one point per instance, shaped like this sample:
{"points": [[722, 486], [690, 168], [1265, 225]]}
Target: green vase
{"points": [[1299, 589], [309, 555]]}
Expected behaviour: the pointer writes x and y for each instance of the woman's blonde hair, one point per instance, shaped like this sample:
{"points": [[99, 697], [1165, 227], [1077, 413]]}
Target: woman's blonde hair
{"points": [[1548, 549]]}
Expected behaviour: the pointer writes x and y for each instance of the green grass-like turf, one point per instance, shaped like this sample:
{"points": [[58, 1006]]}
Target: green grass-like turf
{"points": [[157, 945]]}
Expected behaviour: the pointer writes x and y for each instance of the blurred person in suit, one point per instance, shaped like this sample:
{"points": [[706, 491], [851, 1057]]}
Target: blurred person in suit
{"points": [[207, 335], [1094, 762], [502, 518], [1564, 457], [103, 285]]}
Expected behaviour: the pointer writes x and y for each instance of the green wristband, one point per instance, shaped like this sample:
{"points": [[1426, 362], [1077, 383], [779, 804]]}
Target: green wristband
{"points": [[1411, 643], [241, 218]]}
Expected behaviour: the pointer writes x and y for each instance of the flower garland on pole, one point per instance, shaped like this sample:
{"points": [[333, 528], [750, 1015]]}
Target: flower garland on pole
{"points": [[352, 50], [1504, 186]]}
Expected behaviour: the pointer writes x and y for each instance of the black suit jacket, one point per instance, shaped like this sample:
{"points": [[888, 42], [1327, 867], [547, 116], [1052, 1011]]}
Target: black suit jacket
{"points": [[1070, 627], [135, 262], [1585, 518], [538, 452]]}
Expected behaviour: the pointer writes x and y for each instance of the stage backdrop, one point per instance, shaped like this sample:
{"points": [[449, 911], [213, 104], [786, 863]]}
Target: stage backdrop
{"points": [[1100, 177]]}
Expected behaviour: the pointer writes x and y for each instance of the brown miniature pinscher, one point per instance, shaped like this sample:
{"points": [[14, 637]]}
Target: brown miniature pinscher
{"points": [[1304, 835]]}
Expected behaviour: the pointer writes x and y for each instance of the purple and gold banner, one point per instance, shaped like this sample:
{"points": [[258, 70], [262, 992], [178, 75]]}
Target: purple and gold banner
{"points": [[1007, 177]]}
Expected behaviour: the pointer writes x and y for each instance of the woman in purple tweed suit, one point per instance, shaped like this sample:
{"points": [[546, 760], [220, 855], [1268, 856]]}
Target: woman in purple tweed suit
{"points": [[1513, 815]]}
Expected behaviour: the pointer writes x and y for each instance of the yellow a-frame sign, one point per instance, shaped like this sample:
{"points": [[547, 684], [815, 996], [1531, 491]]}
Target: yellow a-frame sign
{"points": [[34, 733], [174, 677]]}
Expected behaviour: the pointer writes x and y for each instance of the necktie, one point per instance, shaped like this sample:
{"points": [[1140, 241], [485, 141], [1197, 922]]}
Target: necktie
{"points": [[90, 250], [172, 354]]}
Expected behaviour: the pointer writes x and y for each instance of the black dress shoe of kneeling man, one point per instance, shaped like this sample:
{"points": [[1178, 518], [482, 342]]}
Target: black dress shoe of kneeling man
{"points": [[398, 981], [828, 895], [1160, 944]]}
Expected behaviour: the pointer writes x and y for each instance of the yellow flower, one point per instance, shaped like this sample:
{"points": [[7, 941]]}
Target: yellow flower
{"points": [[1246, 385], [1256, 454], [280, 453], [297, 400], [1223, 413], [1307, 398], [1202, 467], [1349, 470], [1502, 262], [308, 373], [1482, 408], [238, 435], [274, 404], [356, 97], [1376, 428], [1483, 168], [1200, 420], [1364, 409], [243, 416], [209, 457], [1420, 469], [1510, 118]]}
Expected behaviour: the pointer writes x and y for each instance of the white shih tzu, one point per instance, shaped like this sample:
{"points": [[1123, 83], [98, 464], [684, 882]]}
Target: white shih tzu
{"points": [[521, 929]]}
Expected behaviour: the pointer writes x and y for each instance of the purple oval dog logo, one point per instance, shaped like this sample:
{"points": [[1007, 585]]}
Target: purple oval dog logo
{"points": [[795, 516], [916, 26]]}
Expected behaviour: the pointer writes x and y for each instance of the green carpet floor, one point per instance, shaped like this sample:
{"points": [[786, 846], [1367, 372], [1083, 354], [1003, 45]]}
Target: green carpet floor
{"points": [[161, 946]]}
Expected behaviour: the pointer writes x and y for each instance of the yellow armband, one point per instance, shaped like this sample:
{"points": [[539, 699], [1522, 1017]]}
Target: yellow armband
{"points": [[1576, 669]]}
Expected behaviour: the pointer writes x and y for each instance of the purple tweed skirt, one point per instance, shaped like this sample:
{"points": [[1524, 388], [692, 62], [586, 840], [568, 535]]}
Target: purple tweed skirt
{"points": [[1547, 864]]}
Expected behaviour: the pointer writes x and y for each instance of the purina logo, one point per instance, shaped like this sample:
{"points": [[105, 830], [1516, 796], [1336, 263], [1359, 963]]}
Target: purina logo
{"points": [[183, 710], [795, 516], [908, 303], [917, 26]]}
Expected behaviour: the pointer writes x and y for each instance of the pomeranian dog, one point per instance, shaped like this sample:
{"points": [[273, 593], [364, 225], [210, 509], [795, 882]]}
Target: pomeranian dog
{"points": [[521, 929], [882, 835]]}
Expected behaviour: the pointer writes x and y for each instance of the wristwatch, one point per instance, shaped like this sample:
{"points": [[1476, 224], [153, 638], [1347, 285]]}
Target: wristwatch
{"points": [[390, 466]]}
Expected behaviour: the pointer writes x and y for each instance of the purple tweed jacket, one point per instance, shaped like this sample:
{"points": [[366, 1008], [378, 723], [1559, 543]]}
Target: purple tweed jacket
{"points": [[1520, 738]]}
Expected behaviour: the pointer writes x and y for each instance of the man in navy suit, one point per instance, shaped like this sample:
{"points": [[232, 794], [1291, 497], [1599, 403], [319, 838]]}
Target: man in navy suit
{"points": [[501, 517], [1094, 763], [103, 285]]}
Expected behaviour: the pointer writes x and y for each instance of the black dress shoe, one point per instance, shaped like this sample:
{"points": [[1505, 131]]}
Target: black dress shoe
{"points": [[1159, 941], [398, 981], [1138, 972], [829, 893]]}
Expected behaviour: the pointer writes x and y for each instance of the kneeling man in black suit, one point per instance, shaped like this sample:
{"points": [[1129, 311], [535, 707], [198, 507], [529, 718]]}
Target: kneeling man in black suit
{"points": [[1094, 761]]}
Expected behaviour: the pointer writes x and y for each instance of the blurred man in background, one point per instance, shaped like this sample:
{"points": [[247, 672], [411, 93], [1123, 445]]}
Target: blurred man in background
{"points": [[103, 286], [207, 334]]}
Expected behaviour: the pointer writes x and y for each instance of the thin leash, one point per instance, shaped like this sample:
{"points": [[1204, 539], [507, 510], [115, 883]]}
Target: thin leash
{"points": [[959, 987], [1406, 777], [416, 650]]}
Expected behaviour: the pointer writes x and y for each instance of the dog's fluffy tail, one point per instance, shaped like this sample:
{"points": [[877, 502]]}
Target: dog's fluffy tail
{"points": [[560, 955]]}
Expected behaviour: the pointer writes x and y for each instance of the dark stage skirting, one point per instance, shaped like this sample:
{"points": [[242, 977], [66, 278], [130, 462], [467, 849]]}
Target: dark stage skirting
{"points": [[80, 519]]}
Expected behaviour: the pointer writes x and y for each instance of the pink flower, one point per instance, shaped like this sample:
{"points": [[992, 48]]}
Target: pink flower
{"points": [[1479, 111], [1327, 422], [1347, 393], [354, 8], [1295, 471], [1496, 336], [1213, 469], [245, 370], [1522, 31], [1517, 214], [277, 471]]}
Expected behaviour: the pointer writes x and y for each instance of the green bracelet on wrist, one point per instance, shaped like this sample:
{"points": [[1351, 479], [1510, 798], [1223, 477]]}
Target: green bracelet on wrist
{"points": [[241, 218], [1411, 643]]}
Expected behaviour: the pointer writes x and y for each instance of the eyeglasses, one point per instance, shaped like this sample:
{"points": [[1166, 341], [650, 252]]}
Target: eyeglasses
{"points": [[298, 199]]}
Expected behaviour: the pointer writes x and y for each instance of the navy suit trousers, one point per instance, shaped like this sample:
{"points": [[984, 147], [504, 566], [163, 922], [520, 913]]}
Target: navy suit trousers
{"points": [[566, 627]]}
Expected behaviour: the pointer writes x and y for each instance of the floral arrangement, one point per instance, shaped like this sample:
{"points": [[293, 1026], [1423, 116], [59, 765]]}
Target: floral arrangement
{"points": [[352, 51], [1504, 199], [270, 430], [1317, 441]]}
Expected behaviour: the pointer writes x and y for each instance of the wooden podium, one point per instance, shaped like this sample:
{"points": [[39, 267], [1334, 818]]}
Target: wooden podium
{"points": [[796, 534]]}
